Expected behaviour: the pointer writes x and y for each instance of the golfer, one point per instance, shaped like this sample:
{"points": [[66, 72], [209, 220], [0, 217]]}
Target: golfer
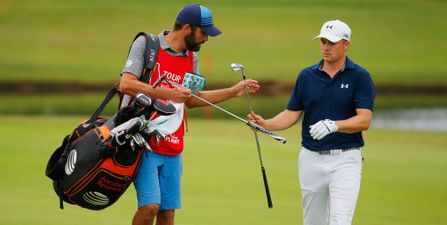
{"points": [[337, 98], [158, 180]]}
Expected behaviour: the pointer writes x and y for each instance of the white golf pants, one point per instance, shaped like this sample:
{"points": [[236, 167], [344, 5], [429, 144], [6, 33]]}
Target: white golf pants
{"points": [[330, 186]]}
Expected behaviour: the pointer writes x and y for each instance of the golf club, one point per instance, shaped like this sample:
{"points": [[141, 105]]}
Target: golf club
{"points": [[157, 82], [248, 123], [239, 67]]}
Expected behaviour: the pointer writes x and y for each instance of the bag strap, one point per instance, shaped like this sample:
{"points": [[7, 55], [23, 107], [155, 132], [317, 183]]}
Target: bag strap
{"points": [[150, 55], [104, 103]]}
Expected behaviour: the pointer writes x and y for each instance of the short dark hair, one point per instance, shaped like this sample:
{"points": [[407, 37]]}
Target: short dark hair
{"points": [[178, 26]]}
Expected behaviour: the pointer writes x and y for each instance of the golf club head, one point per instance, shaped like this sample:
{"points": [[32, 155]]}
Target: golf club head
{"points": [[164, 107], [237, 67], [142, 100], [159, 81]]}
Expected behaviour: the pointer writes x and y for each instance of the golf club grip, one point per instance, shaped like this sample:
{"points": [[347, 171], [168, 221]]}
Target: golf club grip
{"points": [[267, 190]]}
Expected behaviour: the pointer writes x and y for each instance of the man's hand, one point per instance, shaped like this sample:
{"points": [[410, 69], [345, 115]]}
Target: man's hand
{"points": [[322, 128], [239, 88], [130, 85], [257, 119], [178, 94]]}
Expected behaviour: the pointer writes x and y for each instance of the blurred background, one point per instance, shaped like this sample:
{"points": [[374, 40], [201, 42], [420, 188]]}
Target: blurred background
{"points": [[54, 50], [58, 58]]}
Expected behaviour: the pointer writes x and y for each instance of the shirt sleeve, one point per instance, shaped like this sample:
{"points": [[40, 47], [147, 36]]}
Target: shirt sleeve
{"points": [[135, 60], [196, 63], [295, 101], [365, 93]]}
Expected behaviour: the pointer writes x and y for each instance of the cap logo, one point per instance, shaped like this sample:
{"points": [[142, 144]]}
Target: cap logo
{"points": [[334, 31]]}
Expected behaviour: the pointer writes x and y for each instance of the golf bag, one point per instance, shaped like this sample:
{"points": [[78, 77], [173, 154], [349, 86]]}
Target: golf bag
{"points": [[96, 163]]}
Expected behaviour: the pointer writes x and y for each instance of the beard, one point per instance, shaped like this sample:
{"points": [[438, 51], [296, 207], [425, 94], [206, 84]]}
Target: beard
{"points": [[191, 43]]}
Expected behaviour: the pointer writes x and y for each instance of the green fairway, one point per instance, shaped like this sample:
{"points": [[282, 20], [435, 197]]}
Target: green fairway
{"points": [[398, 41], [403, 179]]}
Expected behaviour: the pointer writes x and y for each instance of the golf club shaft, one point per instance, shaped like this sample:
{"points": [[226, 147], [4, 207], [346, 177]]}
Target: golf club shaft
{"points": [[248, 123], [211, 104], [254, 131], [264, 175], [220, 108], [246, 91]]}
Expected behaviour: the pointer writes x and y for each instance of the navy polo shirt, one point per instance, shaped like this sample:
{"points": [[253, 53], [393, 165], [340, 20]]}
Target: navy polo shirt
{"points": [[322, 97]]}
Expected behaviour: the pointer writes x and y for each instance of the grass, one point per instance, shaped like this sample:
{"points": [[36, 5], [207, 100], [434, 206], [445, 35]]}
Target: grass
{"points": [[403, 177], [51, 104], [397, 41]]}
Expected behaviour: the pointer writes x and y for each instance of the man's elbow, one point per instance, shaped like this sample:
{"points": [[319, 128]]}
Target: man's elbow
{"points": [[364, 118], [364, 126], [124, 87], [191, 104]]}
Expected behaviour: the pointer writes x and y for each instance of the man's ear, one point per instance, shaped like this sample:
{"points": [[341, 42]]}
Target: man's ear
{"points": [[186, 29], [346, 44]]}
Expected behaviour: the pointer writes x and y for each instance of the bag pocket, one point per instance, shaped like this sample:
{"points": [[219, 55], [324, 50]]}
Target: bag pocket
{"points": [[100, 190]]}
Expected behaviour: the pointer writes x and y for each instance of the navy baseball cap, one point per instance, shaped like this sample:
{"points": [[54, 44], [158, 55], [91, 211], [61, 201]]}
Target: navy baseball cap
{"points": [[198, 16]]}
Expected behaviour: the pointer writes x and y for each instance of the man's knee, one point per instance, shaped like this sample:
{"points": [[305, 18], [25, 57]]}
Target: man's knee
{"points": [[146, 214], [166, 215], [149, 210]]}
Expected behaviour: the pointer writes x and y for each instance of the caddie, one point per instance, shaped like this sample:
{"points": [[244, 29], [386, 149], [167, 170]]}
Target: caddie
{"points": [[158, 180]]}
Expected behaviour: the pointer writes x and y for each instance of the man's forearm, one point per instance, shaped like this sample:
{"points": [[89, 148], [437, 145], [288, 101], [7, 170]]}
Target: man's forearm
{"points": [[357, 123], [213, 96], [283, 120], [132, 87]]}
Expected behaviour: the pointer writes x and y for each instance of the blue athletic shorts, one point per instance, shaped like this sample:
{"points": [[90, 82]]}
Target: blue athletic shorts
{"points": [[158, 180]]}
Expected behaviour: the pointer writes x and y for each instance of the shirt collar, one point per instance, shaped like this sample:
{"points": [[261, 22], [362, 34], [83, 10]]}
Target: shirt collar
{"points": [[349, 64], [165, 45]]}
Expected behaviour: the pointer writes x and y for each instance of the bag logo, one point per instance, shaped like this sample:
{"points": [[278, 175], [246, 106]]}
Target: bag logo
{"points": [[96, 198], [71, 162]]}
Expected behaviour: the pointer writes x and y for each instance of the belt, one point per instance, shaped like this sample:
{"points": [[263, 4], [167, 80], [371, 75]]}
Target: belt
{"points": [[334, 151]]}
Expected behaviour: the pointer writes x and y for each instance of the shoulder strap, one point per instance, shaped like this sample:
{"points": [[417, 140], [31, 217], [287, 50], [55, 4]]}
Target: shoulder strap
{"points": [[150, 58], [150, 55]]}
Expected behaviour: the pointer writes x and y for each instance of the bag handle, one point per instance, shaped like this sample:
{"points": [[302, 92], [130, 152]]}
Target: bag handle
{"points": [[104, 103]]}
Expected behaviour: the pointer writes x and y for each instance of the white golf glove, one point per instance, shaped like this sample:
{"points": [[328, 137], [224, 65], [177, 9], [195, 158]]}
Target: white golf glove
{"points": [[322, 128]]}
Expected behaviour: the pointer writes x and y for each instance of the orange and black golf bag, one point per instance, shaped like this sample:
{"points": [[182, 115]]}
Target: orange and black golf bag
{"points": [[99, 160]]}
